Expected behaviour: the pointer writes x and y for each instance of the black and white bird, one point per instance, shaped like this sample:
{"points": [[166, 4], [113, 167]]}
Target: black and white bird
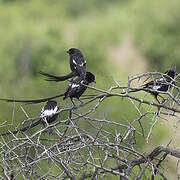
{"points": [[75, 89], [162, 84], [48, 115], [49, 112], [77, 65], [78, 86]]}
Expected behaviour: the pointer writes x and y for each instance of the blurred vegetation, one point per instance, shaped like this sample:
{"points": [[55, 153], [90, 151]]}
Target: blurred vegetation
{"points": [[36, 34]]}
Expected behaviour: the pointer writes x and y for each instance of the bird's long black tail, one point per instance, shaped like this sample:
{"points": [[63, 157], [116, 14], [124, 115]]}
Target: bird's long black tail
{"points": [[57, 78], [23, 129], [32, 101]]}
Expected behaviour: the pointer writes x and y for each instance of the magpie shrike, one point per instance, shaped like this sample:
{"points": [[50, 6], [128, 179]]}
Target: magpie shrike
{"points": [[162, 84], [75, 89], [49, 114], [77, 65]]}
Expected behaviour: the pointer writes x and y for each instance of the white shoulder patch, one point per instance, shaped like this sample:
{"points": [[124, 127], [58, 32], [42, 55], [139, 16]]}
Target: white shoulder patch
{"points": [[160, 80], [156, 87], [74, 62], [55, 109], [74, 85], [49, 112], [82, 64]]}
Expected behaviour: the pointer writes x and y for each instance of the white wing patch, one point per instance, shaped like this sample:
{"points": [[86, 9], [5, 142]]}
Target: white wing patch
{"points": [[84, 63], [161, 79], [155, 88], [81, 65], [74, 62], [49, 112], [74, 85]]}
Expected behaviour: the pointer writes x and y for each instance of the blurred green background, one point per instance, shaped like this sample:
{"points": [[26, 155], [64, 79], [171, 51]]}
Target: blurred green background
{"points": [[118, 38]]}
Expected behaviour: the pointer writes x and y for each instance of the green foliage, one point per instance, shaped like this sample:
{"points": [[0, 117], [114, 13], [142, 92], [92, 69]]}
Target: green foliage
{"points": [[158, 32], [44, 30]]}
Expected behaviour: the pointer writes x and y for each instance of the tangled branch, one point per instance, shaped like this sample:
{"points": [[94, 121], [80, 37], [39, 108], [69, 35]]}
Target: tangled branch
{"points": [[103, 148]]}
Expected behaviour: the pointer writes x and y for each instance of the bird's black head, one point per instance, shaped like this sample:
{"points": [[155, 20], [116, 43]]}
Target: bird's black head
{"points": [[90, 77], [51, 104], [73, 51], [171, 73]]}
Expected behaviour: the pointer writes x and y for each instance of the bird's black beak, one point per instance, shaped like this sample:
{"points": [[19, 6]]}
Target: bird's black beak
{"points": [[67, 51]]}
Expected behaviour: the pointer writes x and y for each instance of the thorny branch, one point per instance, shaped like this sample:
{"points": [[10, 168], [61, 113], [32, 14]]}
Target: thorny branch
{"points": [[67, 149]]}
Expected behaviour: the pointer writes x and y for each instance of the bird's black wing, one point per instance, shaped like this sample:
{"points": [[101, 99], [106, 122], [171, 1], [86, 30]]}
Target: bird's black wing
{"points": [[23, 129], [58, 78], [75, 89], [32, 101]]}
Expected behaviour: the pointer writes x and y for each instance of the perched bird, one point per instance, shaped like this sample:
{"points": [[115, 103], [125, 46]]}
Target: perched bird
{"points": [[75, 89], [77, 62], [49, 114], [162, 84], [77, 65]]}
